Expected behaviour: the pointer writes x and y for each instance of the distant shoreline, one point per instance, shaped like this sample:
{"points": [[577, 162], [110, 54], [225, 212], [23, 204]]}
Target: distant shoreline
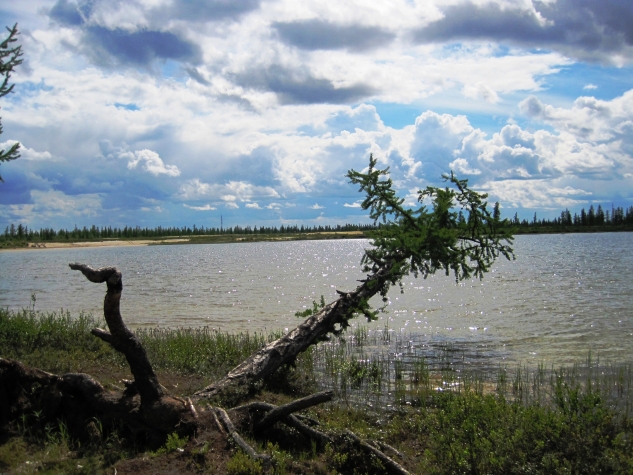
{"points": [[244, 238], [218, 239], [37, 246]]}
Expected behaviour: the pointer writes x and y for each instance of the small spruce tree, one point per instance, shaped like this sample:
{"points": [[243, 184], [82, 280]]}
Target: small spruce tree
{"points": [[9, 59]]}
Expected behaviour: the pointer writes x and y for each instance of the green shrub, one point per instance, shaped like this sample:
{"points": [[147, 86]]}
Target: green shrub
{"points": [[173, 443], [242, 464], [473, 433]]}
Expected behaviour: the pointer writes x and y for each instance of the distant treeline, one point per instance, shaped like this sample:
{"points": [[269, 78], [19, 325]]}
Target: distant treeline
{"points": [[595, 217], [21, 232]]}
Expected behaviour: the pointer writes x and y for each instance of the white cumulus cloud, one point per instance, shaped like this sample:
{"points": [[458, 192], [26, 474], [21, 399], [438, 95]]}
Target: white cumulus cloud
{"points": [[232, 191], [149, 160], [206, 207], [151, 163]]}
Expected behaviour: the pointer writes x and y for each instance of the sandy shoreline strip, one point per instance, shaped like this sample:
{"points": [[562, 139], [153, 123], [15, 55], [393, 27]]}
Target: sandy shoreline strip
{"points": [[69, 245], [36, 246]]}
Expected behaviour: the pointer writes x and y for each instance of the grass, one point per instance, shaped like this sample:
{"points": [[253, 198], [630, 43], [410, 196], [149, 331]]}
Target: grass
{"points": [[443, 415], [44, 447], [473, 433], [204, 351], [58, 342], [53, 341]]}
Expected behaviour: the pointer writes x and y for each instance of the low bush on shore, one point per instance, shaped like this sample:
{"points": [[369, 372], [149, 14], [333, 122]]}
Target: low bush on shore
{"points": [[475, 426]]}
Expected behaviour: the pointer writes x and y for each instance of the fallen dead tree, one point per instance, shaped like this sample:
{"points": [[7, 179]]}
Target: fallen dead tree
{"points": [[330, 319], [419, 242], [143, 407]]}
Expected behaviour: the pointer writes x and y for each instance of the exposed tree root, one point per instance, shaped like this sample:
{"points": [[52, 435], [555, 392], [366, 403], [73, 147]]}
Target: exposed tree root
{"points": [[78, 399], [235, 435]]}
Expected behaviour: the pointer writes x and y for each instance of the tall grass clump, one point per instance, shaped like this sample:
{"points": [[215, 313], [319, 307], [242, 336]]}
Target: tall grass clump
{"points": [[59, 342], [54, 341], [453, 418], [202, 351]]}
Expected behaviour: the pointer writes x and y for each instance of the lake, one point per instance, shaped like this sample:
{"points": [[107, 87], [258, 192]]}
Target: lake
{"points": [[564, 295]]}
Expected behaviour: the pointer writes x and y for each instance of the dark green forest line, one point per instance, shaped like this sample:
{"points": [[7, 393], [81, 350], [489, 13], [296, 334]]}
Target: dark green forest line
{"points": [[23, 233], [591, 220]]}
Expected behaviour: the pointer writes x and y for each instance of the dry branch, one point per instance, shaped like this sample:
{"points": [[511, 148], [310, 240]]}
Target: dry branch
{"points": [[235, 435], [281, 412], [218, 423], [383, 446], [290, 420], [391, 465], [192, 408]]}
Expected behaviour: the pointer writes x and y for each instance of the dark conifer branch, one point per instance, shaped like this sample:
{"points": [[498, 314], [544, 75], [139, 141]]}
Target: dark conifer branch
{"points": [[9, 58]]}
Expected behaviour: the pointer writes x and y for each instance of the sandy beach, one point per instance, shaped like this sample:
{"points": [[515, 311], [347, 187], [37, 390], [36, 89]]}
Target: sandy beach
{"points": [[219, 239], [107, 243]]}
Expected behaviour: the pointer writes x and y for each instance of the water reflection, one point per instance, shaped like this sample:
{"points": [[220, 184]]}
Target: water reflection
{"points": [[564, 295]]}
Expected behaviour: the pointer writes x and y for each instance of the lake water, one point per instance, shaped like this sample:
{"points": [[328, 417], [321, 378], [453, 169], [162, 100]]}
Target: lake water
{"points": [[563, 296]]}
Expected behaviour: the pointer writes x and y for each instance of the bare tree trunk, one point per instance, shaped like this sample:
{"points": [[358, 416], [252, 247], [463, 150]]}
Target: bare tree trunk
{"points": [[79, 399], [286, 349], [120, 337], [258, 366]]}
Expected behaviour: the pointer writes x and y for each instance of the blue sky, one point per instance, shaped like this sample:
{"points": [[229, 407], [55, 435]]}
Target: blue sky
{"points": [[177, 112]]}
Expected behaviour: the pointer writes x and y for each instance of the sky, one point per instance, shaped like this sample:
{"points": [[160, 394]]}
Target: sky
{"points": [[181, 112]]}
